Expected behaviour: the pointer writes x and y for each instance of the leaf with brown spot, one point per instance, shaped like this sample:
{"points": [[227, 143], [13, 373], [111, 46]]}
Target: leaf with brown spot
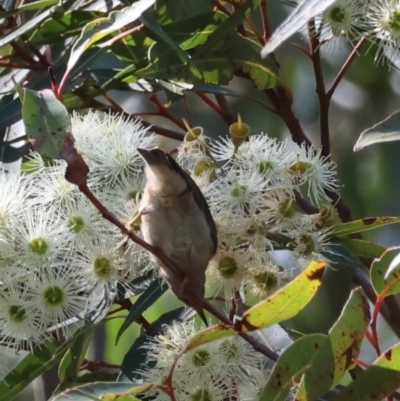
{"points": [[380, 380], [286, 302], [291, 364], [385, 272], [358, 226], [339, 352], [47, 122]]}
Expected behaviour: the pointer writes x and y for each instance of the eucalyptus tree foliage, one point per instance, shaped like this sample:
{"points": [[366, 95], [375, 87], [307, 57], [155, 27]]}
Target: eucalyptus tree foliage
{"points": [[72, 255]]}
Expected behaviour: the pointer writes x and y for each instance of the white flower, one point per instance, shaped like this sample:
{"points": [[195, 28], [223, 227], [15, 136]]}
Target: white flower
{"points": [[239, 189], [35, 238], [264, 278], [60, 293], [20, 321], [84, 222], [101, 263], [342, 18], [384, 18], [222, 149], [316, 172], [108, 144], [12, 196], [228, 268], [265, 155], [311, 243], [51, 188]]}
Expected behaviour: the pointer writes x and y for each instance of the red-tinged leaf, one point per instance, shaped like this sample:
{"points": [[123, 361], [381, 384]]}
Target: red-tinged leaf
{"points": [[385, 272], [101, 27], [379, 381]]}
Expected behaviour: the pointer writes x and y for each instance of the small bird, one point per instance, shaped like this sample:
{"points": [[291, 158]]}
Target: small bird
{"points": [[176, 219]]}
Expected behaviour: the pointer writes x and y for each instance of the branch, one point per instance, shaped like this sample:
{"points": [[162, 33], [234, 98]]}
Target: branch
{"points": [[323, 99], [345, 67]]}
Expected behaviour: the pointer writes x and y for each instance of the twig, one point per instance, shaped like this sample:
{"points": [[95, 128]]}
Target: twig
{"points": [[164, 112], [345, 67], [226, 112], [282, 101]]}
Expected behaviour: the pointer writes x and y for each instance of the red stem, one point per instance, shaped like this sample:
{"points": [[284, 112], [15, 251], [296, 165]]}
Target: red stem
{"points": [[165, 113]]}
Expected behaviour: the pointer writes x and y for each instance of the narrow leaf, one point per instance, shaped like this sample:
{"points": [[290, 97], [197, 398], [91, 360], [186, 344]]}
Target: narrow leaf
{"points": [[40, 360], [149, 296], [365, 249], [209, 335], [153, 24], [297, 20], [31, 23], [358, 226], [286, 302], [227, 26], [379, 381], [99, 28], [74, 357], [291, 364], [387, 130], [36, 5], [102, 391]]}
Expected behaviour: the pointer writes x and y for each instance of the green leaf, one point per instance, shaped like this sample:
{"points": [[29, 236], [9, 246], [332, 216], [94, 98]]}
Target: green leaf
{"points": [[209, 335], [291, 364], [57, 30], [245, 54], [216, 38], [99, 28], [295, 22], [155, 27], [46, 122], [358, 226], [103, 391], [387, 130], [286, 302], [339, 352], [385, 273], [365, 249], [73, 358], [192, 32], [37, 362], [377, 382], [22, 29], [149, 296], [36, 5]]}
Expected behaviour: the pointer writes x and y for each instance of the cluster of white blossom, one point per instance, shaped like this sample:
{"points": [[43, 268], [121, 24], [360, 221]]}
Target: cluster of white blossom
{"points": [[62, 263], [376, 20], [251, 189], [225, 369]]}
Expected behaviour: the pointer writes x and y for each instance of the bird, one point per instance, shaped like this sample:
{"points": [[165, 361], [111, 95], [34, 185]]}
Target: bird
{"points": [[175, 218]]}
